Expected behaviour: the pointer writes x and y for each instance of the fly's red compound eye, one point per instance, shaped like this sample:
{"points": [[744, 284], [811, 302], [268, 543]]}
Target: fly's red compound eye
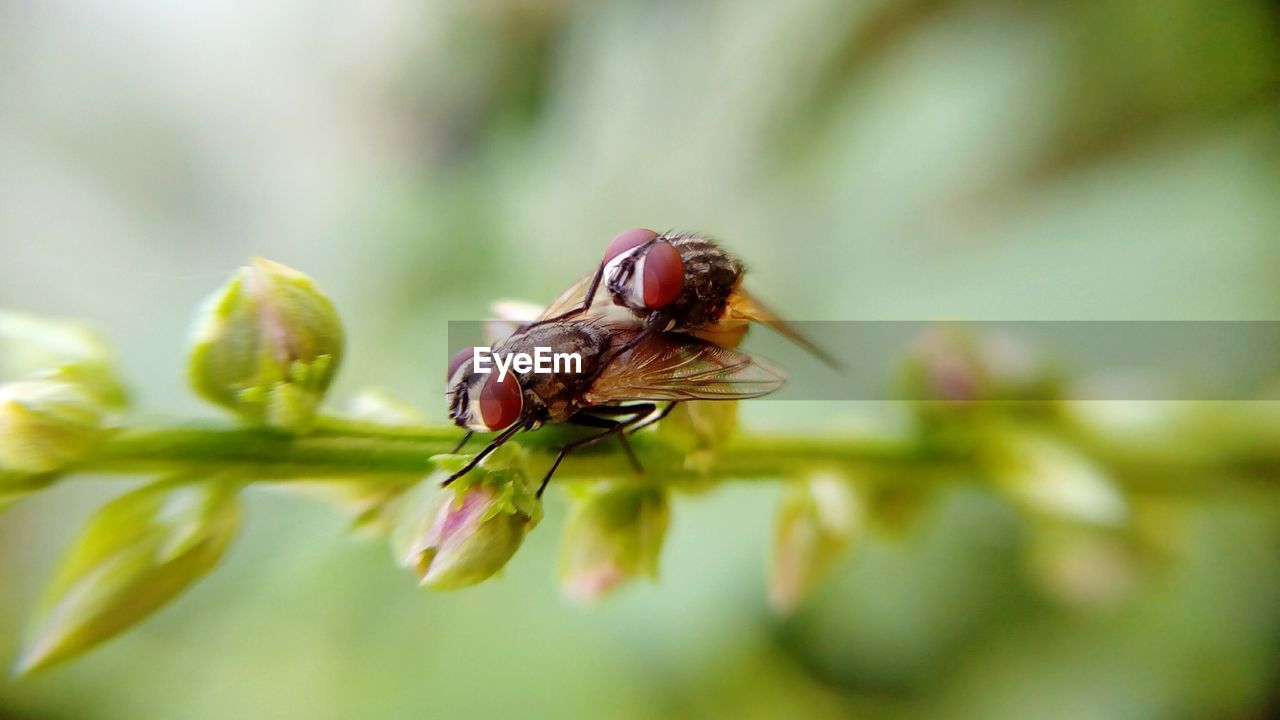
{"points": [[500, 402], [663, 275], [460, 357], [628, 240]]}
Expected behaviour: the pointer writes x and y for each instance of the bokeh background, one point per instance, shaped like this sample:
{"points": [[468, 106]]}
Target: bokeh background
{"points": [[886, 159]]}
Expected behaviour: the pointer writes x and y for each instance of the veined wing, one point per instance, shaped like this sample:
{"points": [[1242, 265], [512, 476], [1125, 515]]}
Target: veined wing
{"points": [[742, 306], [569, 299], [681, 367]]}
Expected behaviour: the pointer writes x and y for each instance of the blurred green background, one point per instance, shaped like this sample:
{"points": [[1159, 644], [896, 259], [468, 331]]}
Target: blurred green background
{"points": [[900, 159]]}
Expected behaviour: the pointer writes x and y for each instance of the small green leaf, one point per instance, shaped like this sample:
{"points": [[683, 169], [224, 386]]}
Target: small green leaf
{"points": [[14, 486], [136, 554]]}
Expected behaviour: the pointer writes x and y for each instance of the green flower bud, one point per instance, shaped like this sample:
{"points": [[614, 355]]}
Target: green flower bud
{"points": [[136, 554], [694, 426], [614, 534], [461, 535], [1084, 567], [1045, 475], [267, 346], [956, 367], [816, 522], [47, 424], [35, 348]]}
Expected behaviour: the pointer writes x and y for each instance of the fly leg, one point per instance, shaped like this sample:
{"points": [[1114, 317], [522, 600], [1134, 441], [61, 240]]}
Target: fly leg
{"points": [[493, 445], [586, 301], [462, 443], [637, 412], [608, 427], [591, 289]]}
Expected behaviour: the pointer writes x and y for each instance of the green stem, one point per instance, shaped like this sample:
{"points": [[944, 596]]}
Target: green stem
{"points": [[340, 449]]}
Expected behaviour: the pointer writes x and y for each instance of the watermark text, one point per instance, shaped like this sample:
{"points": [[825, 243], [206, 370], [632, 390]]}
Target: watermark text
{"points": [[542, 361]]}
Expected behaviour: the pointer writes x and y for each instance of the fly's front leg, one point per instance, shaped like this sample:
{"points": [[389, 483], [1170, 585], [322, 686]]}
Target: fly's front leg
{"points": [[586, 301], [462, 443], [493, 445]]}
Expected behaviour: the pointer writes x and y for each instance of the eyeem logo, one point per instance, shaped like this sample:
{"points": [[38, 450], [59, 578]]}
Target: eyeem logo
{"points": [[542, 362]]}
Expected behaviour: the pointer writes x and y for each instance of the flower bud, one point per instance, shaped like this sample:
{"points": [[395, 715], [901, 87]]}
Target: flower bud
{"points": [[614, 533], [37, 348], [1084, 567], [816, 521], [461, 535], [134, 556], [267, 346], [1045, 475], [29, 343], [958, 367], [700, 426], [46, 424]]}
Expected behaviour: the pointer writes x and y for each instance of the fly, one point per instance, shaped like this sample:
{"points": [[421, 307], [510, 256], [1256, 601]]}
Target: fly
{"points": [[624, 372]]}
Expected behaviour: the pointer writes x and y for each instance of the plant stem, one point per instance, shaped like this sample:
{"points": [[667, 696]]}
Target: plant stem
{"points": [[340, 449]]}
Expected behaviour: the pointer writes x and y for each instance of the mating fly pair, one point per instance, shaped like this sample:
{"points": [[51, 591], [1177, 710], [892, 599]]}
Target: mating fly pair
{"points": [[667, 333]]}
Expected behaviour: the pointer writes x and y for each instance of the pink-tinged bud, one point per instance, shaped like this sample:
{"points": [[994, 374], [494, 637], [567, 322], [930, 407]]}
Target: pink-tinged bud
{"points": [[614, 534], [957, 367], [461, 535], [816, 522]]}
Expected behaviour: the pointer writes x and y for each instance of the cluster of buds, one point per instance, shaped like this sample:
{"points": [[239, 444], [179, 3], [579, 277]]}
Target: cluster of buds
{"points": [[267, 347]]}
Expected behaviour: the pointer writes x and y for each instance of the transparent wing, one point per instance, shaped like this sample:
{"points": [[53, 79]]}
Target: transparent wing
{"points": [[570, 299], [681, 367], [742, 306]]}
